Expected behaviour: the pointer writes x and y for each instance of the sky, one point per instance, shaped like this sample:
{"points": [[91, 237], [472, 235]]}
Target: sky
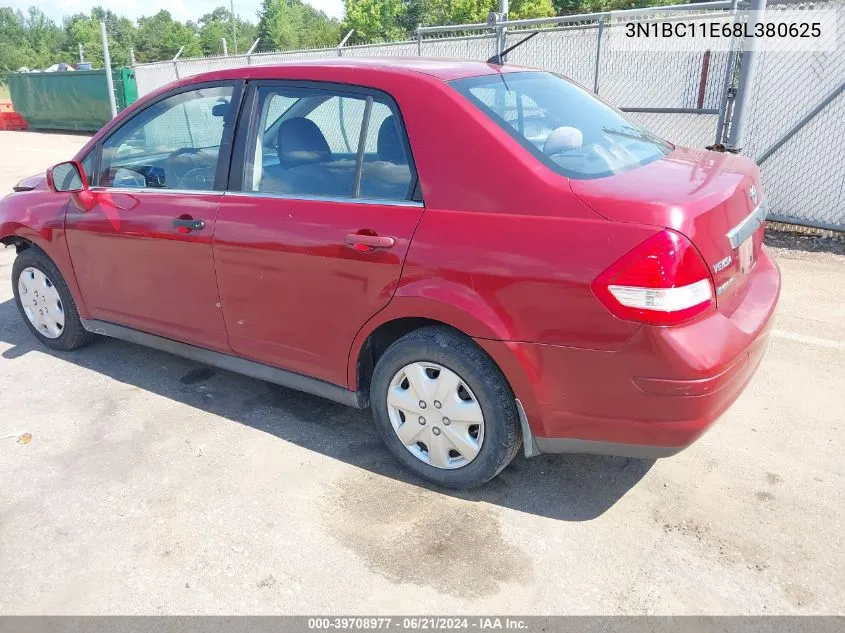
{"points": [[181, 10]]}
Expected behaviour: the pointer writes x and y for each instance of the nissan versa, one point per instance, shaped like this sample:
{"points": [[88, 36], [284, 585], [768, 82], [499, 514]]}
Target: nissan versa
{"points": [[487, 256]]}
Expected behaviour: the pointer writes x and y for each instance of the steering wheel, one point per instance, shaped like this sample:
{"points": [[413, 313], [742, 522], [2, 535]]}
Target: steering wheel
{"points": [[181, 162], [198, 178]]}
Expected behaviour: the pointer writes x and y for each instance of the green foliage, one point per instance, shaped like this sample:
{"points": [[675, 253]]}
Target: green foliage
{"points": [[565, 7], [215, 26], [160, 37], [386, 20], [294, 24], [377, 20], [85, 29], [30, 39]]}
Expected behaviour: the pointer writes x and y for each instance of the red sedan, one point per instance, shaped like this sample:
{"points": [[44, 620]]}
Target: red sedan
{"points": [[487, 256]]}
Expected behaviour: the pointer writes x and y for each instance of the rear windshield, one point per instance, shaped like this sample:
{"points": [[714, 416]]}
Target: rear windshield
{"points": [[563, 125]]}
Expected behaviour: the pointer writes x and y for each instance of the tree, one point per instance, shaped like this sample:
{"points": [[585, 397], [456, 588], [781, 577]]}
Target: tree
{"points": [[291, 24], [377, 20], [386, 20], [160, 37], [565, 7], [85, 30], [217, 25], [14, 46]]}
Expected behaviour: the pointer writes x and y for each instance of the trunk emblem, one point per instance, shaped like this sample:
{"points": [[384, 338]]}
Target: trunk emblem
{"points": [[722, 264]]}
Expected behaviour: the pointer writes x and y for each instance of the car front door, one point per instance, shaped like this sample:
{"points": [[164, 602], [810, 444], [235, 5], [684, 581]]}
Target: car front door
{"points": [[143, 254], [311, 236]]}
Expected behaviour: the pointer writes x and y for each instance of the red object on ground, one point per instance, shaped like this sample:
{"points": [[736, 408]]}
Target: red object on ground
{"points": [[9, 119]]}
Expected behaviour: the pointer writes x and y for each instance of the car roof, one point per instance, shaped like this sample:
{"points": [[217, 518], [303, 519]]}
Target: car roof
{"points": [[439, 68]]}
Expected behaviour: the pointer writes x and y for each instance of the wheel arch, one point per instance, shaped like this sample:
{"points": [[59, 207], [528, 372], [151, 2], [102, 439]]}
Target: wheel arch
{"points": [[20, 243], [54, 248], [407, 313]]}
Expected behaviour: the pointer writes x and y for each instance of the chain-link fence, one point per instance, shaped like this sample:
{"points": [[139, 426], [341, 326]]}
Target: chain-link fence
{"points": [[684, 96], [796, 131]]}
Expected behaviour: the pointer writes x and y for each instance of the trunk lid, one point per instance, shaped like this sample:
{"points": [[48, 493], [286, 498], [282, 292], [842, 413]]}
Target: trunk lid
{"points": [[710, 197]]}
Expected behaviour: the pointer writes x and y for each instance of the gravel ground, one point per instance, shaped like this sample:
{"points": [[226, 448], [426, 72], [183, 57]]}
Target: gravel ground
{"points": [[152, 484], [796, 244]]}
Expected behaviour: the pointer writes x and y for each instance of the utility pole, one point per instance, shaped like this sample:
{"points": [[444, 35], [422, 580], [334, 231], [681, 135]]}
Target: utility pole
{"points": [[503, 31], [234, 26], [225, 50], [107, 67]]}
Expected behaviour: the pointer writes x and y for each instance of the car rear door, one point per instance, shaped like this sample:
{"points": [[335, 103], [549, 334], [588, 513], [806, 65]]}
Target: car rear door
{"points": [[311, 237], [142, 253]]}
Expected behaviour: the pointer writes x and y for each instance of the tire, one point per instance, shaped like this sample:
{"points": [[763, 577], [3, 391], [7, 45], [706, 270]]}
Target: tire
{"points": [[480, 382], [70, 335]]}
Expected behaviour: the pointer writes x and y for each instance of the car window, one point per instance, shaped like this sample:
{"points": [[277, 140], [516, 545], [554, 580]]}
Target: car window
{"points": [[172, 144], [277, 105], [316, 148], [88, 166], [563, 125]]}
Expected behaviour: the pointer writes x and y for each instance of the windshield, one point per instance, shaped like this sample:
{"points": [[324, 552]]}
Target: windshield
{"points": [[563, 125]]}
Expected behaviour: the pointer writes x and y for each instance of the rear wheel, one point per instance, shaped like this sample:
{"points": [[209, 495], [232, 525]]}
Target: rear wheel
{"points": [[444, 409], [45, 303]]}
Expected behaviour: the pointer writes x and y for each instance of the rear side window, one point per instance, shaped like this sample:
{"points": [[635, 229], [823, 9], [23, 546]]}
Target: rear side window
{"points": [[317, 142], [563, 125]]}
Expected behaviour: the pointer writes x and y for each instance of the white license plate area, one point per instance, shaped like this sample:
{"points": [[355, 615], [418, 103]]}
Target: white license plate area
{"points": [[746, 255]]}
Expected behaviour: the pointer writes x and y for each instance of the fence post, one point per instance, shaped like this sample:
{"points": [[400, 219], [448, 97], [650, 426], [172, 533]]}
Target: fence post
{"points": [[747, 74], [728, 84], [343, 42], [501, 29], [234, 25], [251, 49], [131, 56], [107, 67], [419, 41], [176, 63], [598, 56]]}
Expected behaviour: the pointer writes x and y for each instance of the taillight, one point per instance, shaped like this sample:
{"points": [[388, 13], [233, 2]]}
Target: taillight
{"points": [[663, 281]]}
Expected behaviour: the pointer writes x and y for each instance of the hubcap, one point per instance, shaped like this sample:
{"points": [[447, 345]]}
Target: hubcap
{"points": [[41, 302], [435, 415]]}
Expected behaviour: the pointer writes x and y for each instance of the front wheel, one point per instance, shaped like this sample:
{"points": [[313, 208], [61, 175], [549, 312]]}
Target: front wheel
{"points": [[444, 409], [45, 303]]}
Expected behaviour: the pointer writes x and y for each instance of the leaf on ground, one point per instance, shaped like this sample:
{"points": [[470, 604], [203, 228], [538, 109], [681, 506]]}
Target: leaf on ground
{"points": [[26, 438]]}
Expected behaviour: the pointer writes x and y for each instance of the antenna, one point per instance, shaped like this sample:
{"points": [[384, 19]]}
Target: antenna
{"points": [[499, 58]]}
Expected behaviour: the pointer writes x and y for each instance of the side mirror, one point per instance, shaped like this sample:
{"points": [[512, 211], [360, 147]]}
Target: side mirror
{"points": [[68, 176]]}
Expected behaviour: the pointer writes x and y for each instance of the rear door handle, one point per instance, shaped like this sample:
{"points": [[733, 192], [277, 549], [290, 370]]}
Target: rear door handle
{"points": [[185, 224], [370, 241]]}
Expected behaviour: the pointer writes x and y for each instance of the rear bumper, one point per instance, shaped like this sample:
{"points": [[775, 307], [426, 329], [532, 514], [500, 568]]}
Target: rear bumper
{"points": [[654, 396]]}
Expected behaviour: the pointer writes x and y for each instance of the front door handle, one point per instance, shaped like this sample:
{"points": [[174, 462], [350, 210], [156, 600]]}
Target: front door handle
{"points": [[186, 225], [366, 242]]}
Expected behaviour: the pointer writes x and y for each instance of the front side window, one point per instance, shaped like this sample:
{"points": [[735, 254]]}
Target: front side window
{"points": [[172, 144], [563, 125], [314, 142]]}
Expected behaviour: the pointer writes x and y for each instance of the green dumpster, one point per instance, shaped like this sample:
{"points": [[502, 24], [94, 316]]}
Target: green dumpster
{"points": [[70, 100]]}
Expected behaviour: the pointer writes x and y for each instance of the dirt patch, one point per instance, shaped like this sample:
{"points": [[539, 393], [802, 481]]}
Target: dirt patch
{"points": [[805, 243], [413, 535], [773, 478]]}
